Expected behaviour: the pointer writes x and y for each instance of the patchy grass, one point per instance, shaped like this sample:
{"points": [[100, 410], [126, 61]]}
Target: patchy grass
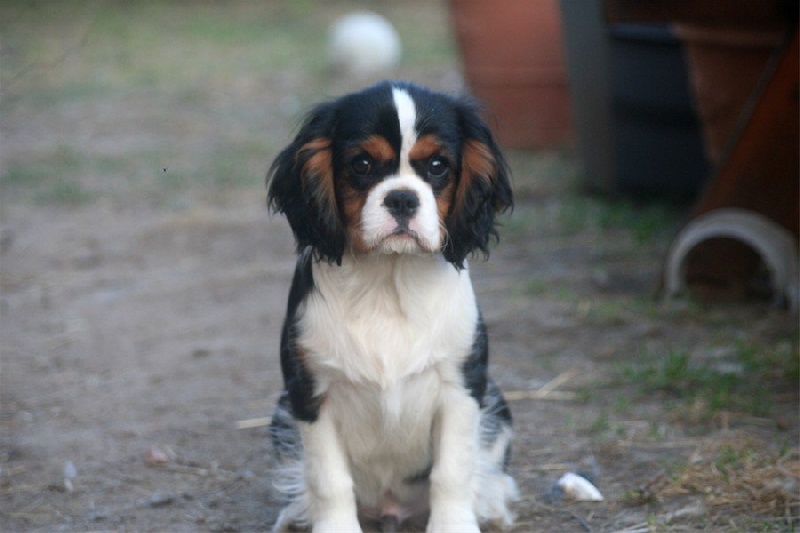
{"points": [[229, 74], [551, 204], [107, 46], [538, 286], [719, 387], [160, 106], [63, 159], [740, 473], [743, 382], [644, 223], [65, 193], [78, 59], [538, 174]]}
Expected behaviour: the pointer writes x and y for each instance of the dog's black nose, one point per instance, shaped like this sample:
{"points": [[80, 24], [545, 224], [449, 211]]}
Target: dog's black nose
{"points": [[401, 203]]}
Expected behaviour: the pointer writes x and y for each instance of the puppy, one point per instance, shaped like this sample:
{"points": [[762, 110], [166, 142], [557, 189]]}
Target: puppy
{"points": [[388, 414]]}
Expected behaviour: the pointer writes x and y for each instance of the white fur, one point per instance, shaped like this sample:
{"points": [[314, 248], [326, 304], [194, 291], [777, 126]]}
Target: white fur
{"points": [[385, 336], [382, 319], [495, 488], [377, 224], [407, 117], [390, 370]]}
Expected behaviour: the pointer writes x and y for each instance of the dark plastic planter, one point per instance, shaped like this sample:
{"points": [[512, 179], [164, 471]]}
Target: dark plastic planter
{"points": [[638, 133], [658, 148]]}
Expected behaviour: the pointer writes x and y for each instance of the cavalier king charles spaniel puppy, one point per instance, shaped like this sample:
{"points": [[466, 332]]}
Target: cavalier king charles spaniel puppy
{"points": [[388, 416]]}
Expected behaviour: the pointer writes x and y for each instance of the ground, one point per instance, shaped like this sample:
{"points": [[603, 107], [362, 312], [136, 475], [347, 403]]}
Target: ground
{"points": [[143, 286]]}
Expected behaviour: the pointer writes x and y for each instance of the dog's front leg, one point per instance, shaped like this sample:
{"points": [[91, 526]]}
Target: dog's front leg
{"points": [[329, 483], [455, 462]]}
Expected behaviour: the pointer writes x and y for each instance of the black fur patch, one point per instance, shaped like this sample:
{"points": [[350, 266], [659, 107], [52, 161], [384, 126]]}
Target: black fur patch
{"points": [[495, 417], [476, 366], [286, 441], [297, 380]]}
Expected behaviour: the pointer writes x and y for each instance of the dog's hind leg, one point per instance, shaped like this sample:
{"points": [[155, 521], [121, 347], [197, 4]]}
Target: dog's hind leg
{"points": [[496, 488], [288, 480]]}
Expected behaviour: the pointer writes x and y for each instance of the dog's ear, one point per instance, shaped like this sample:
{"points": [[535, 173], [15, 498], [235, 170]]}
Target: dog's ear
{"points": [[483, 190], [300, 184]]}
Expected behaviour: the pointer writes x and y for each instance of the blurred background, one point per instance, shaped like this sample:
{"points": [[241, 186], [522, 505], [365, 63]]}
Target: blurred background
{"points": [[143, 281], [645, 103]]}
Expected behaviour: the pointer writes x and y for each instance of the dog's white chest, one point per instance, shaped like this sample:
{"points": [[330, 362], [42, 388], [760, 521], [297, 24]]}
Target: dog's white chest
{"points": [[381, 338], [382, 319]]}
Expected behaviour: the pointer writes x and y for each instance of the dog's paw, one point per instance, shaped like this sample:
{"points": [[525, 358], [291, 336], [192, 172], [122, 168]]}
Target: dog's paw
{"points": [[336, 525], [453, 521]]}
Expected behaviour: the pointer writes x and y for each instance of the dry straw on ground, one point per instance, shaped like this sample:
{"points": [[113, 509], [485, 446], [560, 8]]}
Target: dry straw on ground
{"points": [[742, 473]]}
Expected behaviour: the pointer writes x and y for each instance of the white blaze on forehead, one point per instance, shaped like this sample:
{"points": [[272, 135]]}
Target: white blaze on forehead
{"points": [[407, 116]]}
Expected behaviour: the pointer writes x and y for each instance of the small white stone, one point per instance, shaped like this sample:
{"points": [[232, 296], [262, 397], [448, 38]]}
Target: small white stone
{"points": [[579, 488]]}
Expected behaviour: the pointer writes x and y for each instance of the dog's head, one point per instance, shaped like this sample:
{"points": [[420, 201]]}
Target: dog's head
{"points": [[393, 169]]}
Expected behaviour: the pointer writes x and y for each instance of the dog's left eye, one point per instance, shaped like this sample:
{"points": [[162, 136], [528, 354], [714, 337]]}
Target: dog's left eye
{"points": [[362, 165], [438, 167]]}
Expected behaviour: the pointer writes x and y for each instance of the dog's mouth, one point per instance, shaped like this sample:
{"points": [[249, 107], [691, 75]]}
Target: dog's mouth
{"points": [[403, 231], [403, 239]]}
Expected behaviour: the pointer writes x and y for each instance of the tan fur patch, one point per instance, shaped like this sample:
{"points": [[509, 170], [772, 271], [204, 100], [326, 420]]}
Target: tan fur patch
{"points": [[318, 173], [443, 202], [477, 163], [352, 206], [378, 148], [426, 146]]}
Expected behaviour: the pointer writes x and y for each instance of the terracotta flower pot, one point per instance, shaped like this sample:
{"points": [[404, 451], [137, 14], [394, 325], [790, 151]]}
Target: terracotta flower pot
{"points": [[724, 65], [514, 64]]}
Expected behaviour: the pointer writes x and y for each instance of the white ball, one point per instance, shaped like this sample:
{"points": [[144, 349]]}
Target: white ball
{"points": [[363, 42]]}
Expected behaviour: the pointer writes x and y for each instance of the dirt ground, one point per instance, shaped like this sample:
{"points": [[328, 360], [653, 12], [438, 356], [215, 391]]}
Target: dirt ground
{"points": [[141, 313]]}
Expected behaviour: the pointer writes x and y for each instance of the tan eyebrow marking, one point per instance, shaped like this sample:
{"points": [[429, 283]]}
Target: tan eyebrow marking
{"points": [[378, 148], [426, 146]]}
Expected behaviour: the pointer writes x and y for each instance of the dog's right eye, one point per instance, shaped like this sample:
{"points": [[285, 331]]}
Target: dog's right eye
{"points": [[362, 165]]}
